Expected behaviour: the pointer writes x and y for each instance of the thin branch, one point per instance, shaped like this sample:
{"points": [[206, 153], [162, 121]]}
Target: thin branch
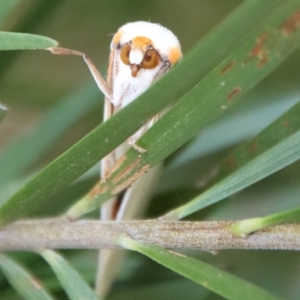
{"points": [[85, 234]]}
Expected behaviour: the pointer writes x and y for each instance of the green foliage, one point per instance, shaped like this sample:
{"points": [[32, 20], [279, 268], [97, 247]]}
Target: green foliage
{"points": [[27, 286], [203, 93], [245, 227], [222, 283], [24, 41], [73, 284], [273, 149]]}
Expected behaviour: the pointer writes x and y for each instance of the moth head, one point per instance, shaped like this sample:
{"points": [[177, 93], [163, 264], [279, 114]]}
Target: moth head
{"points": [[146, 46]]}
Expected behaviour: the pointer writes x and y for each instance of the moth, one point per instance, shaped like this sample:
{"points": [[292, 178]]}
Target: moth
{"points": [[141, 52]]}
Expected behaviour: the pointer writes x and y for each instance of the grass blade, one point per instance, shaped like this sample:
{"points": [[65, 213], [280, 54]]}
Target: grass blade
{"points": [[24, 41], [27, 286], [245, 227], [74, 285], [249, 18], [217, 281], [220, 89], [276, 147]]}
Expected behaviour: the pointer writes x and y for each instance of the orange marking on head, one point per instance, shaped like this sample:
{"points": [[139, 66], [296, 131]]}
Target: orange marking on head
{"points": [[174, 55], [141, 42], [117, 37]]}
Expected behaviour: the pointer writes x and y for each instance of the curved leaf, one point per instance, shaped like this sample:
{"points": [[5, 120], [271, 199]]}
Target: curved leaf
{"points": [[247, 226], [74, 285], [24, 41], [220, 282], [276, 147], [27, 286]]}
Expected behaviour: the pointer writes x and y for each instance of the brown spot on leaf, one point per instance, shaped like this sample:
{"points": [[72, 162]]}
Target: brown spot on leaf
{"points": [[227, 68], [234, 93], [131, 179], [127, 170], [286, 123], [253, 148], [99, 189], [291, 24], [230, 162], [259, 51], [116, 166]]}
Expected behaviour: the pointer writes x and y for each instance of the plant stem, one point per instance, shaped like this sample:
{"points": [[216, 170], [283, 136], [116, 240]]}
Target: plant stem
{"points": [[85, 234]]}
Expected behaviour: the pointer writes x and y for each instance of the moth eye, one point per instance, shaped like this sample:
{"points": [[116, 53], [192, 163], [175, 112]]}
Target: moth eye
{"points": [[125, 54], [151, 59]]}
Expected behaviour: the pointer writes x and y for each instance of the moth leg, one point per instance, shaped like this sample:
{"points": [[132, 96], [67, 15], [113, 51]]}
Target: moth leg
{"points": [[133, 139], [101, 83], [132, 144]]}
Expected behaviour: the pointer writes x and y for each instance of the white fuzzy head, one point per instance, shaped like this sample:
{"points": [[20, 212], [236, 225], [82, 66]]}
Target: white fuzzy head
{"points": [[143, 51]]}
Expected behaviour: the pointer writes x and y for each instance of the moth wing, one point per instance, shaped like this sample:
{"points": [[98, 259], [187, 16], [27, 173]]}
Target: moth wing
{"points": [[108, 110], [109, 261], [133, 201]]}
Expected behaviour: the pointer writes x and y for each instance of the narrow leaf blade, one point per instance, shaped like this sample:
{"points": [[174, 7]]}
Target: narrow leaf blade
{"points": [[247, 226], [273, 149], [74, 285], [217, 281], [109, 135], [203, 104], [27, 286], [24, 41]]}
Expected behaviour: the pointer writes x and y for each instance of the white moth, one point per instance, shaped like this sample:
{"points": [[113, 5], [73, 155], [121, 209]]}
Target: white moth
{"points": [[141, 52]]}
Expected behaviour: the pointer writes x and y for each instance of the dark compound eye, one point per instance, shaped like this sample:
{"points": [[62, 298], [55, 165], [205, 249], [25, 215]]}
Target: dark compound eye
{"points": [[151, 59], [125, 51]]}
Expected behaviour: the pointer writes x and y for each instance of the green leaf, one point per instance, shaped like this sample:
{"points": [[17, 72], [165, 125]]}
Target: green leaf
{"points": [[6, 7], [25, 150], [250, 18], [274, 148], [266, 106], [3, 110], [24, 41], [73, 284], [217, 281], [245, 227], [27, 286], [219, 90]]}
